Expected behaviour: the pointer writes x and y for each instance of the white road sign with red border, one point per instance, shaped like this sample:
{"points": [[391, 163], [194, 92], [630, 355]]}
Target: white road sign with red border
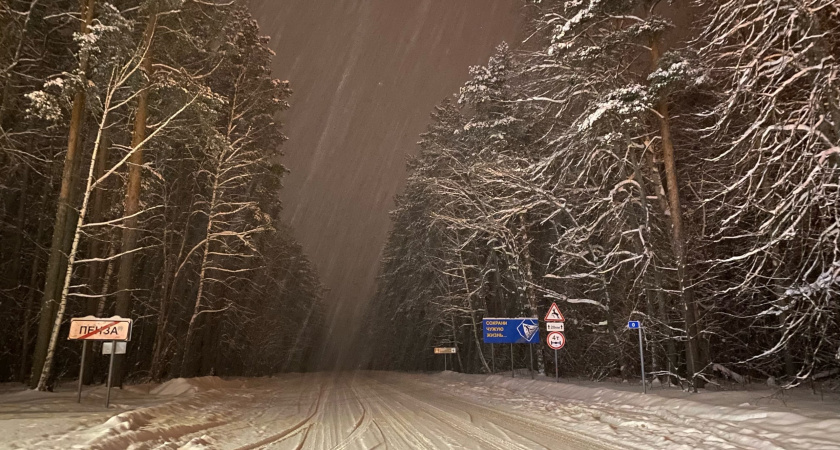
{"points": [[555, 340], [554, 314], [100, 329]]}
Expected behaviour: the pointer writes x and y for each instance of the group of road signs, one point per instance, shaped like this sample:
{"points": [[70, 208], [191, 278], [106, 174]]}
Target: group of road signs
{"points": [[115, 331], [526, 330], [555, 325]]}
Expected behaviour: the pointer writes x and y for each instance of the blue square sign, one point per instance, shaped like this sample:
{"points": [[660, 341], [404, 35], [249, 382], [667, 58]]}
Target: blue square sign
{"points": [[634, 324]]}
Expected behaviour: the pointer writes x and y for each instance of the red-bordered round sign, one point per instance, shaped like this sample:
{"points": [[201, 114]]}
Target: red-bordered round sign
{"points": [[555, 340]]}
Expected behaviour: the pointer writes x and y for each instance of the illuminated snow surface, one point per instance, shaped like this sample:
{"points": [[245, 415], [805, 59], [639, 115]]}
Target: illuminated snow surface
{"points": [[366, 410]]}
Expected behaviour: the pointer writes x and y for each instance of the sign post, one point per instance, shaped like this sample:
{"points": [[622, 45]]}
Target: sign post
{"points": [[445, 351], [635, 324], [555, 325], [493, 357], [531, 357], [114, 329], [82, 371], [110, 373], [521, 330]]}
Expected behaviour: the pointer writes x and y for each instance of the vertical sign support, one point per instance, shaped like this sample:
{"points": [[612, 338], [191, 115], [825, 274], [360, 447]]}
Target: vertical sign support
{"points": [[110, 373], [638, 326], [642, 360], [512, 367], [555, 325], [82, 371], [445, 357], [509, 330], [531, 357], [113, 329], [493, 357]]}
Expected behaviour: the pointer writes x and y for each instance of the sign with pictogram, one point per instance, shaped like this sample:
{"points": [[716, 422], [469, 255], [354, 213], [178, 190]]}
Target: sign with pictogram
{"points": [[98, 329], [554, 314], [445, 350], [519, 330], [555, 340]]}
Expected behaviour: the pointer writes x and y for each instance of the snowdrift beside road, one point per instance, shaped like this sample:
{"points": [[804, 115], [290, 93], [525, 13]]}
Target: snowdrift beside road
{"points": [[749, 418], [181, 386]]}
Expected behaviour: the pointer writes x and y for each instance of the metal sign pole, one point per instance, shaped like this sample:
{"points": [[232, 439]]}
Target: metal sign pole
{"points": [[642, 359], [493, 356], [82, 371], [531, 357], [512, 367], [556, 368], [110, 373], [444, 361]]}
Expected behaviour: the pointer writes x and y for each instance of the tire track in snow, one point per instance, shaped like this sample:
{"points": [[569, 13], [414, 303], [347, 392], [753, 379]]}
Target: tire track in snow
{"points": [[294, 429], [396, 421], [451, 420], [361, 426], [503, 420]]}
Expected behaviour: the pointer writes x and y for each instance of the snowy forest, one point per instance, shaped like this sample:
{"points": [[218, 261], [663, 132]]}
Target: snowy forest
{"points": [[676, 163], [139, 147]]}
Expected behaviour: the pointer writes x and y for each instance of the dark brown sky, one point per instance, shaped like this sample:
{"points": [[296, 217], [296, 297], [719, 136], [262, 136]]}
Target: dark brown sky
{"points": [[366, 74]]}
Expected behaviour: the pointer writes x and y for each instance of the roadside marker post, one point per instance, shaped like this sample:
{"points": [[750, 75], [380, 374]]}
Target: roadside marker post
{"points": [[636, 325], [114, 329]]}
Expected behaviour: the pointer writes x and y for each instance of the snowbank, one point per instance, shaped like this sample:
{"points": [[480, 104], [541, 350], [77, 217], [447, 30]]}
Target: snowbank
{"points": [[725, 414], [181, 386]]}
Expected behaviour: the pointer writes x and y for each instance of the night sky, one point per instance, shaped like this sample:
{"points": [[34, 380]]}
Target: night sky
{"points": [[365, 75]]}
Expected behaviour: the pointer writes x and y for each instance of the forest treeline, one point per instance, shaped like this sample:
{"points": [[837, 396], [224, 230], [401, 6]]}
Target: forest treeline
{"points": [[670, 162], [139, 146]]}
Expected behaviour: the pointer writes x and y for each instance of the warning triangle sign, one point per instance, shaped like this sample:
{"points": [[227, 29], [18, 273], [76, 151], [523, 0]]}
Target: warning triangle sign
{"points": [[554, 314]]}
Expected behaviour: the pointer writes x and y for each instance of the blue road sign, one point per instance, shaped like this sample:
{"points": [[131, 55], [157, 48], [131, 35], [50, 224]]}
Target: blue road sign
{"points": [[634, 324], [511, 331]]}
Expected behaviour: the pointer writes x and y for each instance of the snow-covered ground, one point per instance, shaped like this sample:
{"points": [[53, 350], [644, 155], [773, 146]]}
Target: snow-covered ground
{"points": [[365, 410]]}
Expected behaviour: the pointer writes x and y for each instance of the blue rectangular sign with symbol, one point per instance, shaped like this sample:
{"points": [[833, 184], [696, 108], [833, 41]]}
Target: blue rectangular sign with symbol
{"points": [[511, 330], [633, 324]]}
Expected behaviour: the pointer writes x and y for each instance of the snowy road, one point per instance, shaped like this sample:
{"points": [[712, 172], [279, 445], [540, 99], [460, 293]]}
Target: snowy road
{"points": [[385, 410], [319, 411]]}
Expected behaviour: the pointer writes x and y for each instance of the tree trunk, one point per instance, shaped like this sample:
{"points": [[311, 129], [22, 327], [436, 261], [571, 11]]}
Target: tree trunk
{"points": [[44, 381], [677, 231], [20, 220], [653, 290], [530, 292], [202, 275], [472, 320], [7, 86], [132, 194], [57, 261], [27, 307]]}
